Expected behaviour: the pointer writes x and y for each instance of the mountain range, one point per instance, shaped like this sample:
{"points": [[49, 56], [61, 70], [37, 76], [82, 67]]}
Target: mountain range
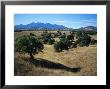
{"points": [[89, 28], [47, 26]]}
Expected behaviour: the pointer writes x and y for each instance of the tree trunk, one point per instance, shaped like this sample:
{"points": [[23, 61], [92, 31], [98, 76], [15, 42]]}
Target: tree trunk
{"points": [[31, 56]]}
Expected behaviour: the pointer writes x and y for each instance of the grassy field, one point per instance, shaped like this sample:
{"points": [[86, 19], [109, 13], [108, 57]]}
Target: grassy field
{"points": [[80, 61]]}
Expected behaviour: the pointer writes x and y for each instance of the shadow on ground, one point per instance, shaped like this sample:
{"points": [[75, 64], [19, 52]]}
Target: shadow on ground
{"points": [[51, 65]]}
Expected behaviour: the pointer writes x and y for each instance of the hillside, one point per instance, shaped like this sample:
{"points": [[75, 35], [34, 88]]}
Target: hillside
{"points": [[49, 63], [80, 61]]}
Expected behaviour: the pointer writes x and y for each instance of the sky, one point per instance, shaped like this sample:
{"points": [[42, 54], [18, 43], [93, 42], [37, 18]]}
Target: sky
{"points": [[69, 20]]}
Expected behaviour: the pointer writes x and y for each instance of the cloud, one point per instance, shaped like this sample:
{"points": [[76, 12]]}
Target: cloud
{"points": [[76, 22], [60, 21]]}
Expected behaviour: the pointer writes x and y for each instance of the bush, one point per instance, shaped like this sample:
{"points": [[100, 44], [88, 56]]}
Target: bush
{"points": [[58, 46], [31, 34], [83, 38], [80, 34], [84, 41], [92, 32], [28, 44], [47, 38], [70, 37], [74, 45], [93, 42], [63, 36], [63, 44], [51, 41], [66, 43], [59, 33]]}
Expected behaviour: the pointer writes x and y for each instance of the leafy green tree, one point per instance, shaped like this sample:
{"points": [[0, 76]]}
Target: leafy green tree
{"points": [[80, 34], [47, 38], [28, 44], [63, 44], [83, 38], [66, 43], [84, 41], [58, 46]]}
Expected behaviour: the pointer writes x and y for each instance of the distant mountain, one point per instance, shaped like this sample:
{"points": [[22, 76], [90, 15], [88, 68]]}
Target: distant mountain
{"points": [[48, 26], [88, 28], [39, 26]]}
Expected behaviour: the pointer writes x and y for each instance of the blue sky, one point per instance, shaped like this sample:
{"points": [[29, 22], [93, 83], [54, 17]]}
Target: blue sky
{"points": [[68, 20]]}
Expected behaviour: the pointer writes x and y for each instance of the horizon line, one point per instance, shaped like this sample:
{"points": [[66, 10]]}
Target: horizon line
{"points": [[56, 24]]}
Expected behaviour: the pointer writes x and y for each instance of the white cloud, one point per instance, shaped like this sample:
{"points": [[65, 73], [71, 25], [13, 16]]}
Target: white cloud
{"points": [[60, 21]]}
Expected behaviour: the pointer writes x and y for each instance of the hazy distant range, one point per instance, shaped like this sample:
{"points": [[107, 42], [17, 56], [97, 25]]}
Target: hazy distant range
{"points": [[48, 26]]}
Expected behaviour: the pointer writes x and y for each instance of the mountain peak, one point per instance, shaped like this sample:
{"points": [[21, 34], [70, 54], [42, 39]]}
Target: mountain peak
{"points": [[39, 25]]}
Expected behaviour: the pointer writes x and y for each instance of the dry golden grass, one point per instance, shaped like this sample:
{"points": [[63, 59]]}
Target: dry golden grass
{"points": [[81, 57], [45, 64], [94, 37]]}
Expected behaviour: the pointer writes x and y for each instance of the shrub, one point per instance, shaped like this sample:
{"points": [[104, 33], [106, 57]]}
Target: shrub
{"points": [[59, 33], [28, 44], [74, 45], [84, 41], [63, 44], [58, 46], [47, 38], [66, 43], [70, 37], [63, 36], [80, 34], [92, 32], [51, 41], [31, 34], [93, 41]]}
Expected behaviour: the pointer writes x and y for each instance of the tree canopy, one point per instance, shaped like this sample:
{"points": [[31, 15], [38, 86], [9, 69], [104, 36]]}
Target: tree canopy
{"points": [[28, 44]]}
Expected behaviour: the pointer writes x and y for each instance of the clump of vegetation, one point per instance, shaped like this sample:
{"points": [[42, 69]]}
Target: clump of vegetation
{"points": [[79, 34], [71, 36], [47, 38], [31, 34], [93, 42], [59, 33], [83, 38], [84, 41], [63, 36], [58, 46], [74, 45], [28, 44], [63, 44], [51, 41], [93, 32]]}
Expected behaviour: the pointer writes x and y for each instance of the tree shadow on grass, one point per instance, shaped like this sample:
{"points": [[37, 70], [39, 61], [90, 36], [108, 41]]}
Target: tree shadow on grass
{"points": [[51, 65]]}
